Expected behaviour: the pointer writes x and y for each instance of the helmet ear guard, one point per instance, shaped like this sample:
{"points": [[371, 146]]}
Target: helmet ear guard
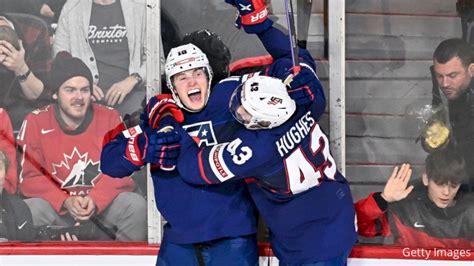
{"points": [[184, 58], [262, 102]]}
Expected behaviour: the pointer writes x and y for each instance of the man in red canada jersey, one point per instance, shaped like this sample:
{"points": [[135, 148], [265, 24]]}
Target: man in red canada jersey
{"points": [[61, 145]]}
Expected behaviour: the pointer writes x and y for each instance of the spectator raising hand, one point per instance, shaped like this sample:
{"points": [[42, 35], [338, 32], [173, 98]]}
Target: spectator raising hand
{"points": [[396, 187], [435, 215]]}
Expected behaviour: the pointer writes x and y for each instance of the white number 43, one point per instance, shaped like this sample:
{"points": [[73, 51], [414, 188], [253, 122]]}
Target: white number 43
{"points": [[239, 154]]}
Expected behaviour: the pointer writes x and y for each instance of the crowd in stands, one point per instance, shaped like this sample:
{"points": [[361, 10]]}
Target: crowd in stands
{"points": [[70, 70], [64, 69]]}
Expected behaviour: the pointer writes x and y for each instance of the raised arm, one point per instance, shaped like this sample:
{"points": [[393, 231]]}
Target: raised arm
{"points": [[253, 18]]}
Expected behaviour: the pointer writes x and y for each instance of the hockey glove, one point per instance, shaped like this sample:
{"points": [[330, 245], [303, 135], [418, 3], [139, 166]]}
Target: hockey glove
{"points": [[253, 15], [154, 147], [303, 87], [160, 106]]}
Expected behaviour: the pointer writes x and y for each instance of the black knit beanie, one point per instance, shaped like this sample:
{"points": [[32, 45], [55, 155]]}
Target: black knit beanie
{"points": [[65, 67]]}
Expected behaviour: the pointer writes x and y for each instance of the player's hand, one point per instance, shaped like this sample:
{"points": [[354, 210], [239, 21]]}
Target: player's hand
{"points": [[154, 147], [118, 91], [162, 147], [396, 187], [253, 15], [160, 106], [304, 87]]}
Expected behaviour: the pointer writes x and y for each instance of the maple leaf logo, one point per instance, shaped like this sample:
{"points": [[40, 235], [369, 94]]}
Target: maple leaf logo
{"points": [[76, 170]]}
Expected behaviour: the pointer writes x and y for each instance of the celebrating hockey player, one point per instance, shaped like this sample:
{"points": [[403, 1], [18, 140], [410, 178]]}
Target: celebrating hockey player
{"points": [[219, 218]]}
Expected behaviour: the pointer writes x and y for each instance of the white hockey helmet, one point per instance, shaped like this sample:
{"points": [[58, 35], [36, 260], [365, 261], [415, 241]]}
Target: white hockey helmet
{"points": [[183, 58], [261, 102]]}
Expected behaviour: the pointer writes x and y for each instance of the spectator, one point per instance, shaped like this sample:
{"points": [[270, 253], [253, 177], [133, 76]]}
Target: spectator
{"points": [[15, 217], [109, 36], [7, 146], [438, 215], [25, 54], [453, 69], [64, 183]]}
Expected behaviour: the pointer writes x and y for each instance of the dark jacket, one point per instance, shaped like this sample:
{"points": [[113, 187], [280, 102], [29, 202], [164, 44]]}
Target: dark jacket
{"points": [[461, 117], [16, 222]]}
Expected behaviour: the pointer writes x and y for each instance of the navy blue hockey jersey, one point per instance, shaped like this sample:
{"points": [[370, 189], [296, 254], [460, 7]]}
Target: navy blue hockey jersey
{"points": [[293, 181]]}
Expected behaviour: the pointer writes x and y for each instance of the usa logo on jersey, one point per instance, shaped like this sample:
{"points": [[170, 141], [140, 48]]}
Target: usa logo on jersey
{"points": [[202, 133]]}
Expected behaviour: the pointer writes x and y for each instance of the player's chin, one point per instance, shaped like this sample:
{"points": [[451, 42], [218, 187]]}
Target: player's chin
{"points": [[196, 105]]}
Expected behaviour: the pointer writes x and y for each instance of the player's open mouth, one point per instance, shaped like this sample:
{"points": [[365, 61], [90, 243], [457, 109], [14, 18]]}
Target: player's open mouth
{"points": [[194, 95]]}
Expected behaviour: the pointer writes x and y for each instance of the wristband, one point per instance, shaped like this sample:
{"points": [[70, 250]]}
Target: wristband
{"points": [[24, 77], [137, 77]]}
